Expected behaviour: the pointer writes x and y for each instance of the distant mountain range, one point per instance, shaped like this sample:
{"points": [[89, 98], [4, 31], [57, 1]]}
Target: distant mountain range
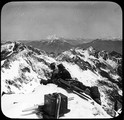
{"points": [[58, 45], [53, 46], [107, 45]]}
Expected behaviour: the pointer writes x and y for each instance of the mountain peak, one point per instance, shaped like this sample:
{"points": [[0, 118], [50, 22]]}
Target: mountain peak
{"points": [[52, 37]]}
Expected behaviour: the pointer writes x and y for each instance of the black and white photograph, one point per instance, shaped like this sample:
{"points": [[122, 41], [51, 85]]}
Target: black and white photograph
{"points": [[61, 60]]}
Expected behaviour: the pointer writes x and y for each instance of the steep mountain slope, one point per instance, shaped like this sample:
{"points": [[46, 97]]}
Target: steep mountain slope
{"points": [[96, 68], [22, 68]]}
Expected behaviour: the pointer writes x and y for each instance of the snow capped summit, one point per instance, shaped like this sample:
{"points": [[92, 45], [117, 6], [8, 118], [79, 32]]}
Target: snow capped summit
{"points": [[52, 37], [7, 46]]}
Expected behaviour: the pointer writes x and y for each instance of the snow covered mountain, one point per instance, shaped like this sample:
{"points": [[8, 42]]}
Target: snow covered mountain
{"points": [[22, 65], [53, 37], [22, 68], [96, 68]]}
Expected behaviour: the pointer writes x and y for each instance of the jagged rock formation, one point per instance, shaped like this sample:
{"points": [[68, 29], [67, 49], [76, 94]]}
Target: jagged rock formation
{"points": [[22, 68], [104, 66]]}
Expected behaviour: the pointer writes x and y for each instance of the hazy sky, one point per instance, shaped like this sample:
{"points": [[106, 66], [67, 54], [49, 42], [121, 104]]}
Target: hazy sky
{"points": [[37, 20]]}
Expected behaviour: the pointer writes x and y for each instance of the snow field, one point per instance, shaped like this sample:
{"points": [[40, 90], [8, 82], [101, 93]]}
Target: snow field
{"points": [[79, 108], [87, 77]]}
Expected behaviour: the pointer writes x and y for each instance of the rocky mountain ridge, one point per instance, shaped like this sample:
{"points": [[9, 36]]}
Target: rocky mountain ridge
{"points": [[22, 68]]}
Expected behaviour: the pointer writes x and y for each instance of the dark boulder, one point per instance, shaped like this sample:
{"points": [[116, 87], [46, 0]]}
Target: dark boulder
{"points": [[95, 94]]}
